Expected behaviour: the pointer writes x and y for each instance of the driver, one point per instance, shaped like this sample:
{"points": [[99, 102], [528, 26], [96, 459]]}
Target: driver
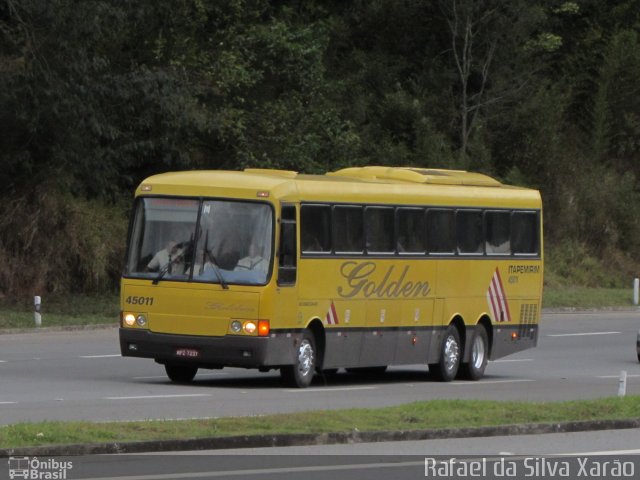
{"points": [[171, 257]]}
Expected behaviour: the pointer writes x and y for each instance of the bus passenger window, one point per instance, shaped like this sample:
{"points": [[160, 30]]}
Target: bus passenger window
{"points": [[498, 231], [524, 233], [348, 232], [315, 228], [411, 230], [469, 231], [440, 231], [379, 229]]}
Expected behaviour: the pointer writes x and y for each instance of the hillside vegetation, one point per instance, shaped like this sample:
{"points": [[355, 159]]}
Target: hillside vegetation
{"points": [[95, 95]]}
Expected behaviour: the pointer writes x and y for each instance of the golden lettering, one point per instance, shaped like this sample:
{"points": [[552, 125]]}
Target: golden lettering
{"points": [[360, 281]]}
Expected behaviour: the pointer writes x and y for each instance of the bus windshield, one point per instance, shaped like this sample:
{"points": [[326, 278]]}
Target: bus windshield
{"points": [[211, 241]]}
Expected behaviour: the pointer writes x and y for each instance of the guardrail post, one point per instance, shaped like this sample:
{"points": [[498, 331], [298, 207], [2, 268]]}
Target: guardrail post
{"points": [[636, 290], [36, 314], [622, 383]]}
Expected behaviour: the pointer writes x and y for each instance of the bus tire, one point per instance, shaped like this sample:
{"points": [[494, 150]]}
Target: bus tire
{"points": [[474, 370], [449, 360], [180, 373], [300, 374]]}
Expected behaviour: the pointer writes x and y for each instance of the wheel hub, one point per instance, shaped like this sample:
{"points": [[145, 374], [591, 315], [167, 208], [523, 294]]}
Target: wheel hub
{"points": [[451, 353], [305, 358]]}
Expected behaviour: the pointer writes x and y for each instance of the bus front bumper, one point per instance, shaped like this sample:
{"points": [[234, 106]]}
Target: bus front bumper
{"points": [[207, 352]]}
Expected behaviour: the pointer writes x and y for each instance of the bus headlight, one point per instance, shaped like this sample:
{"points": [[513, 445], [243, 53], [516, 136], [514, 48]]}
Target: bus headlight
{"points": [[260, 328], [141, 320], [129, 319], [250, 327]]}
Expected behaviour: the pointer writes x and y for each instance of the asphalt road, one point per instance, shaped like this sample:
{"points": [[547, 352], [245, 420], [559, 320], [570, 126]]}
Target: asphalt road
{"points": [[530, 456], [80, 375]]}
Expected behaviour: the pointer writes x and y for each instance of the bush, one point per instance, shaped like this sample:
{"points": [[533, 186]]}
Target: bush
{"points": [[573, 263], [58, 243]]}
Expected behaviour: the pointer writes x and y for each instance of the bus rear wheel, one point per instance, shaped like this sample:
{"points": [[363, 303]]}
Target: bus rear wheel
{"points": [[300, 374], [474, 370], [449, 360], [180, 373]]}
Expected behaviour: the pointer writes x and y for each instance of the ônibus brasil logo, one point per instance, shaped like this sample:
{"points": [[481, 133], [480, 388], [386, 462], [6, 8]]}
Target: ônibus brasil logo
{"points": [[36, 469]]}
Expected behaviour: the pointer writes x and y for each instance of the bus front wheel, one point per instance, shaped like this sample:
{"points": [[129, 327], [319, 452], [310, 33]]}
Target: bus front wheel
{"points": [[180, 373], [300, 374], [450, 352], [474, 370]]}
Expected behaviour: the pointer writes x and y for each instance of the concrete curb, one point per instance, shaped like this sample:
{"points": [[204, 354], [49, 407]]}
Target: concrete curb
{"points": [[306, 439]]}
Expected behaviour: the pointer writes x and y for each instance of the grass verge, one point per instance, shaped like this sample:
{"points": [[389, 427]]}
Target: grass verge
{"points": [[586, 297], [415, 416], [62, 311]]}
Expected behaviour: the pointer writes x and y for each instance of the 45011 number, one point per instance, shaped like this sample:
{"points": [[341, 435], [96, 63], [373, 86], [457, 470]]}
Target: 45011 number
{"points": [[133, 300]]}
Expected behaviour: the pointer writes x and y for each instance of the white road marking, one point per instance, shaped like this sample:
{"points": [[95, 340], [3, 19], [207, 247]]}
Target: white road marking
{"points": [[200, 375], [100, 356], [513, 360], [604, 452], [152, 419], [8, 403], [325, 389], [146, 397], [485, 382], [582, 334], [617, 376]]}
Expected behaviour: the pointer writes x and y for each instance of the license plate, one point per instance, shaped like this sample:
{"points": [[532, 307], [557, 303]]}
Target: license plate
{"points": [[187, 352]]}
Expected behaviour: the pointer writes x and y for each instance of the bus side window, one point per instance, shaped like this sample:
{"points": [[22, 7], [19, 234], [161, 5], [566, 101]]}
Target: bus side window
{"points": [[348, 230], [379, 229], [441, 231], [469, 234], [411, 230], [524, 233], [315, 228], [497, 226]]}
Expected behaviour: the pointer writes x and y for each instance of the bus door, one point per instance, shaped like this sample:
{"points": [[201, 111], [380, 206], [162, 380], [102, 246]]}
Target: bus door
{"points": [[285, 310]]}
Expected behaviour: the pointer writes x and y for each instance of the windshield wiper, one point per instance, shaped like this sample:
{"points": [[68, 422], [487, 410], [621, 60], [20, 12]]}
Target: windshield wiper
{"points": [[216, 269], [213, 262], [164, 271]]}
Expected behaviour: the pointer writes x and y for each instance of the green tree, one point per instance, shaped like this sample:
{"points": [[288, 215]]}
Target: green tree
{"points": [[495, 48]]}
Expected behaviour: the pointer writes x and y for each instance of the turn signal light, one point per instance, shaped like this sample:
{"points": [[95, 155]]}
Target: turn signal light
{"points": [[263, 328], [514, 336]]}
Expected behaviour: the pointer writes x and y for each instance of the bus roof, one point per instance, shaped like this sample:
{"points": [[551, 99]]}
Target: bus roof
{"points": [[373, 184]]}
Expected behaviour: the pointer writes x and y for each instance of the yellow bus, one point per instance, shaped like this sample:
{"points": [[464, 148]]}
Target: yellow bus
{"points": [[360, 268]]}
